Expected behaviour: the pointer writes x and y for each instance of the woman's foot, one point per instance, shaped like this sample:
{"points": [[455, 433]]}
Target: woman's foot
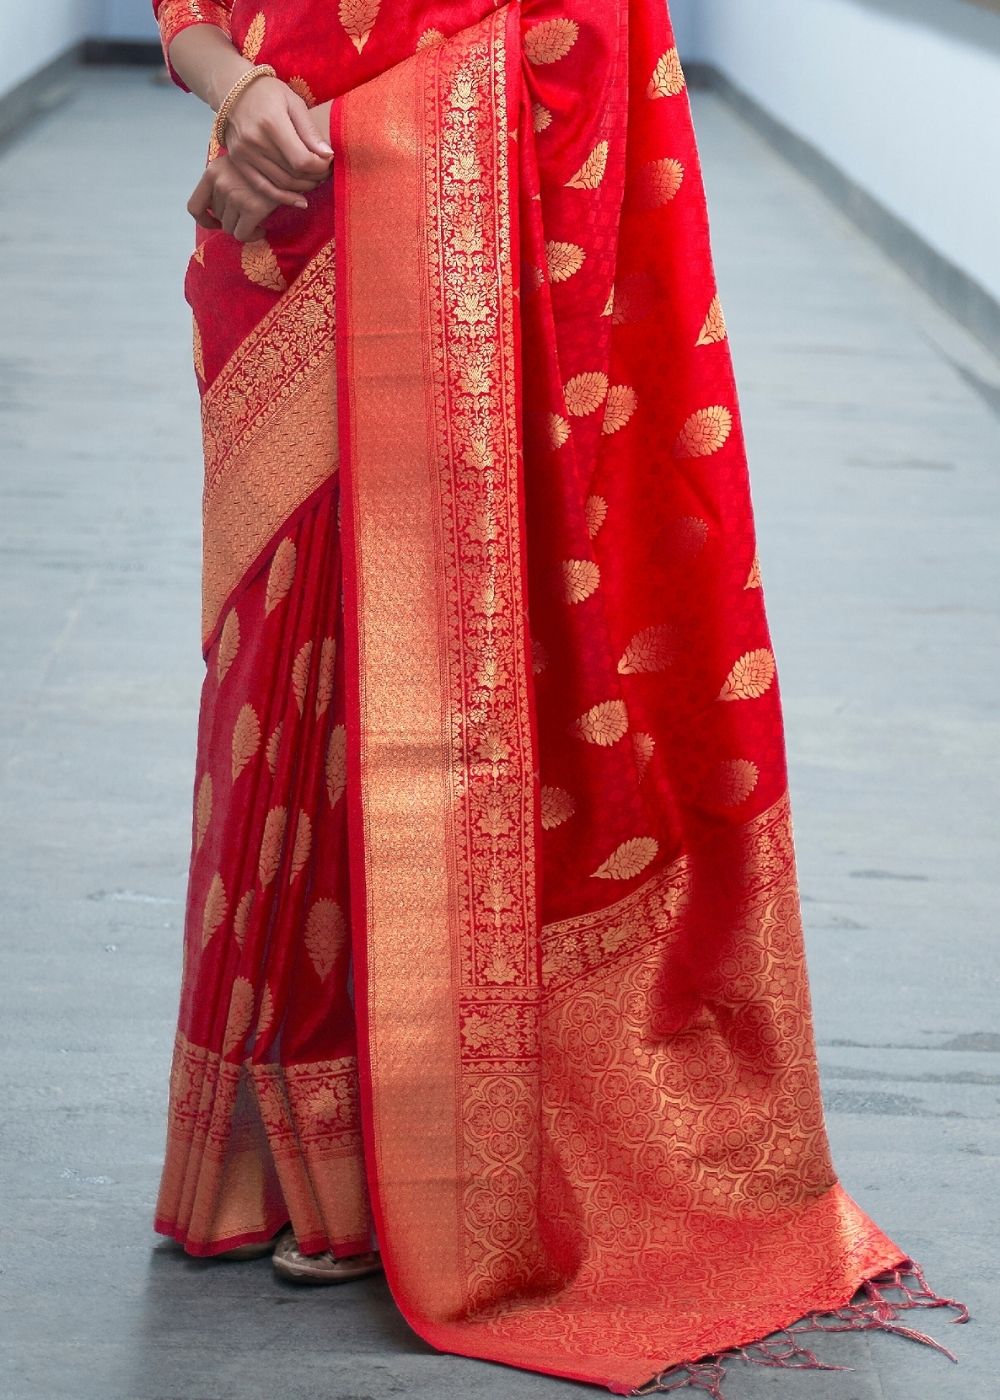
{"points": [[257, 1250], [320, 1268]]}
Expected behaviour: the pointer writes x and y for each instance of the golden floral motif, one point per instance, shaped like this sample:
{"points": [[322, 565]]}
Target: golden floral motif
{"points": [[301, 87], [203, 809], [551, 40], [629, 860], [325, 935], [751, 676], [229, 644], [557, 807], [734, 780], [336, 764], [324, 685], [241, 919], [301, 846], [246, 738], [585, 393], [216, 908], [659, 182], [595, 512], [753, 578], [714, 329], [619, 408], [240, 1016], [564, 260], [559, 430], [265, 1015], [300, 674], [668, 77], [652, 649], [197, 350], [429, 38], [270, 845], [260, 265], [581, 578], [705, 432], [541, 117], [643, 746], [592, 171], [603, 724], [280, 575], [254, 41], [358, 18], [273, 746]]}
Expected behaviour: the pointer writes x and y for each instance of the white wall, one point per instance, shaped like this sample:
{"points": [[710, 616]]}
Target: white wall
{"points": [[903, 95], [126, 19], [32, 35]]}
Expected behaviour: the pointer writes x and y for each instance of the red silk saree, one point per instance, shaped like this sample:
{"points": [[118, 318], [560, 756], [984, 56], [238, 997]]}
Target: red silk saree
{"points": [[494, 937]]}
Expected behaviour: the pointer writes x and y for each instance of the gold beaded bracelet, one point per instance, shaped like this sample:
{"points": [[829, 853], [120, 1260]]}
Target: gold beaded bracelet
{"points": [[260, 70]]}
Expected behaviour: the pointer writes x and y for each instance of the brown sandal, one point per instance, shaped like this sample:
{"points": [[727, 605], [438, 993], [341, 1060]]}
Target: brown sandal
{"points": [[289, 1264]]}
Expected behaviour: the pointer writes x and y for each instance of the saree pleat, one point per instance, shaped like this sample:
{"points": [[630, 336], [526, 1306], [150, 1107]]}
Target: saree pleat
{"points": [[494, 938]]}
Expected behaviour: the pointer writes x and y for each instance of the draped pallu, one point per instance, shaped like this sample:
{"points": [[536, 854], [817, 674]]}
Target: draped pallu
{"points": [[483, 387]]}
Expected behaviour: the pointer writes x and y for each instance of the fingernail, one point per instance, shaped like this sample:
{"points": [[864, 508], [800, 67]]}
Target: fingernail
{"points": [[301, 204], [325, 149]]}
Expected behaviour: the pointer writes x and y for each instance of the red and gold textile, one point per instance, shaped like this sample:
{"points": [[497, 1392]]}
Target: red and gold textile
{"points": [[491, 718]]}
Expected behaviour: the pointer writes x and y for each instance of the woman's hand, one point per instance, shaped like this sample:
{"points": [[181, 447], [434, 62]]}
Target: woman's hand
{"points": [[224, 198], [273, 142]]}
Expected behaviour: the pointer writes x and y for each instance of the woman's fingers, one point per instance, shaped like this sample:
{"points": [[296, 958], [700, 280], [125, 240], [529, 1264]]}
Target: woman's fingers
{"points": [[305, 128], [200, 203], [274, 184], [223, 198]]}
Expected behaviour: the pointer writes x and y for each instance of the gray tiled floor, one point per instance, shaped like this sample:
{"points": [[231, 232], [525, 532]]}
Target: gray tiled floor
{"points": [[876, 448]]}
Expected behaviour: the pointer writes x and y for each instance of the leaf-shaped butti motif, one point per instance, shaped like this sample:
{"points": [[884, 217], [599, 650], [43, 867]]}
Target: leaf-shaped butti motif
{"points": [[261, 266], [358, 18], [429, 38], [595, 512], [246, 738], [216, 906], [581, 578], [643, 746], [705, 432], [753, 578], [202, 809], [652, 649], [541, 117], [591, 172], [734, 781], [668, 76], [280, 575], [254, 41], [564, 260], [605, 724], [659, 182], [751, 677], [559, 430], [557, 807], [240, 1015], [629, 860], [621, 404], [300, 674], [229, 644], [302, 88], [336, 764], [551, 40], [301, 846], [273, 746], [270, 845], [585, 393], [325, 935], [196, 350], [241, 919], [324, 685], [266, 1013], [714, 329]]}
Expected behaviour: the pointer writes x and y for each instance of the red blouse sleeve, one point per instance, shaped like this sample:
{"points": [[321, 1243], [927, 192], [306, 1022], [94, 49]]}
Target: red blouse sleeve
{"points": [[175, 15]]}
